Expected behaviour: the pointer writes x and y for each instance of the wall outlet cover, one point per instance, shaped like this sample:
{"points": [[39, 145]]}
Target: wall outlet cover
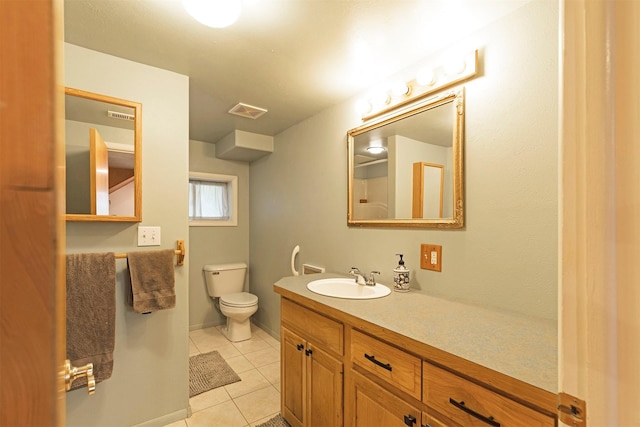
{"points": [[431, 257]]}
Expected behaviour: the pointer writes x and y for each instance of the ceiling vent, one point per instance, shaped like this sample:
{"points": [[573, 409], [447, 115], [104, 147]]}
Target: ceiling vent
{"points": [[247, 111], [119, 115]]}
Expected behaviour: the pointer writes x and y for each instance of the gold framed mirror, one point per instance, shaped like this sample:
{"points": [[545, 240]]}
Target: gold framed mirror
{"points": [[103, 151], [405, 169]]}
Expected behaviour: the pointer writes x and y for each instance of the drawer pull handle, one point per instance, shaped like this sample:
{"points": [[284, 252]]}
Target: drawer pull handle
{"points": [[463, 407], [377, 362], [409, 420]]}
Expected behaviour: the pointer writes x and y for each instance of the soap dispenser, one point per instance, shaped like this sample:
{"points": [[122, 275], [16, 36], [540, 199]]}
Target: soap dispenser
{"points": [[401, 276]]}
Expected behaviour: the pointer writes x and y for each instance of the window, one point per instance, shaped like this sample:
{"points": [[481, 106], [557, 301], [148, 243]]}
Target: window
{"points": [[213, 199]]}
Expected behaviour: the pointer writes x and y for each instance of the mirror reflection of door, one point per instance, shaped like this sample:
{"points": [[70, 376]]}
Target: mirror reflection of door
{"points": [[99, 176], [101, 157], [428, 190]]}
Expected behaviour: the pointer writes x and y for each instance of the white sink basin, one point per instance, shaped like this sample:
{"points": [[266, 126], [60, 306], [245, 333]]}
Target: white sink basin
{"points": [[347, 288]]}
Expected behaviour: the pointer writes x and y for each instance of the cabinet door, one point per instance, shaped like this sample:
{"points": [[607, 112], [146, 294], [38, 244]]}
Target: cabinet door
{"points": [[293, 377], [324, 389], [374, 406]]}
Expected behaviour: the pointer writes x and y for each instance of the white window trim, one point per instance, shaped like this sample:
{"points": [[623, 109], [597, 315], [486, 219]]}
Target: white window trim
{"points": [[231, 179]]}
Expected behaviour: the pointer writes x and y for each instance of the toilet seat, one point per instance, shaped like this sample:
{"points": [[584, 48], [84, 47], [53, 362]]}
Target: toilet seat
{"points": [[240, 299]]}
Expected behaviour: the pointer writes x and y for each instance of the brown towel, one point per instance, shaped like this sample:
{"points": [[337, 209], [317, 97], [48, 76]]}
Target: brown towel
{"points": [[91, 313], [152, 280]]}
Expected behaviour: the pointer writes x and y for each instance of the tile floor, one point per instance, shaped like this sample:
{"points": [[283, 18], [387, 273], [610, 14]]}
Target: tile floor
{"points": [[249, 402]]}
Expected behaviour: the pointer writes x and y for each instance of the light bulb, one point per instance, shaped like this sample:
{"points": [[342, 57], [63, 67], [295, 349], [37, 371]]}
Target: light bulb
{"points": [[363, 106], [399, 89], [380, 98], [455, 66], [425, 77], [214, 13]]}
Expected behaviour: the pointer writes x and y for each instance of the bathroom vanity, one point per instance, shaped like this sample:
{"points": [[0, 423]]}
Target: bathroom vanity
{"points": [[409, 359]]}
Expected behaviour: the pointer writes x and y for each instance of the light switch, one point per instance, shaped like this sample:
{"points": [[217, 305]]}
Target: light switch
{"points": [[148, 236]]}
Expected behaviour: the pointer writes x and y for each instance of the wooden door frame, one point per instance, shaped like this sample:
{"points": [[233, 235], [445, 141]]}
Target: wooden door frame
{"points": [[32, 228], [599, 205]]}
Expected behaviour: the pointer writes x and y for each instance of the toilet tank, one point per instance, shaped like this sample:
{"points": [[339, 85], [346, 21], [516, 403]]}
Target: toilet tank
{"points": [[224, 279]]}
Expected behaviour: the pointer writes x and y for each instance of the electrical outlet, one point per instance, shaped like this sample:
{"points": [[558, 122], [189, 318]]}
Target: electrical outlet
{"points": [[148, 236], [431, 257]]}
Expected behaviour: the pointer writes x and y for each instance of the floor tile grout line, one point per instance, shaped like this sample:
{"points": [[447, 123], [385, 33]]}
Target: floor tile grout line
{"points": [[256, 389], [240, 411]]}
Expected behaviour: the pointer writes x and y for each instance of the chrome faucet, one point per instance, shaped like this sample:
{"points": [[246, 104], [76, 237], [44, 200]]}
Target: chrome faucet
{"points": [[355, 271], [372, 280]]}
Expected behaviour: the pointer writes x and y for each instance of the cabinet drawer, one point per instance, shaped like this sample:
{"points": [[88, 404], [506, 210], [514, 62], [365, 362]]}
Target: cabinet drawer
{"points": [[317, 328], [472, 405], [389, 363]]}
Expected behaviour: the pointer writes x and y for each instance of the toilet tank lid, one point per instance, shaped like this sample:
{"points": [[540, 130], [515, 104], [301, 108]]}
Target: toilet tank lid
{"points": [[221, 267]]}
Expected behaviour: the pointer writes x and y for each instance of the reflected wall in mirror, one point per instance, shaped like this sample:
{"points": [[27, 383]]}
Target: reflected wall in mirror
{"points": [[406, 168], [103, 149]]}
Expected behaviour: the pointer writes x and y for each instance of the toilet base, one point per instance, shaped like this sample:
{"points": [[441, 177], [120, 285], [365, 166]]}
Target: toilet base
{"points": [[236, 330]]}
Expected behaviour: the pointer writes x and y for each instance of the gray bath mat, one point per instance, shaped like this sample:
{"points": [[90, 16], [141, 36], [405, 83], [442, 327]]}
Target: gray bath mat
{"points": [[208, 371], [277, 421]]}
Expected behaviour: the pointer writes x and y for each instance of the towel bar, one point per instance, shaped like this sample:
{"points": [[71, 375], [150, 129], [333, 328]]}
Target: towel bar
{"points": [[180, 253]]}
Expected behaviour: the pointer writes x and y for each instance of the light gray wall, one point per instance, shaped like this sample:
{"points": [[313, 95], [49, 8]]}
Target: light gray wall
{"points": [[505, 257], [215, 245], [149, 384]]}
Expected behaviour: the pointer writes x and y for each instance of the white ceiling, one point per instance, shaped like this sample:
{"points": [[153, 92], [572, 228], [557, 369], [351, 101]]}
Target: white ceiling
{"points": [[291, 57]]}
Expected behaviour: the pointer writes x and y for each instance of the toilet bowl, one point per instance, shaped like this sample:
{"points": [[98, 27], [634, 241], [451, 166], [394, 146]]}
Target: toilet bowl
{"points": [[225, 283], [238, 308]]}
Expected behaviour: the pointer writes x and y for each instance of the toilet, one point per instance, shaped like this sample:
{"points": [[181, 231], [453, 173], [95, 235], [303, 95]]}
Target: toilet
{"points": [[225, 282]]}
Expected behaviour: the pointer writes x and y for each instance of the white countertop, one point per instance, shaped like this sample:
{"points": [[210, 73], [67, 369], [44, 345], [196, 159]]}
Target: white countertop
{"points": [[519, 346]]}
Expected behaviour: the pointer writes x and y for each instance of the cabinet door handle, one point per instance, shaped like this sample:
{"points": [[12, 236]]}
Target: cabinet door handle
{"points": [[308, 352], [409, 420], [377, 362], [300, 347], [460, 405]]}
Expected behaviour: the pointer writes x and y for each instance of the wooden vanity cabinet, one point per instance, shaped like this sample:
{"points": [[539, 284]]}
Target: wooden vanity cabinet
{"points": [[311, 367], [389, 380]]}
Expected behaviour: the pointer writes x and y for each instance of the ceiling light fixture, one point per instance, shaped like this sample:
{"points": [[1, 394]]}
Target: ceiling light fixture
{"points": [[376, 150], [214, 13]]}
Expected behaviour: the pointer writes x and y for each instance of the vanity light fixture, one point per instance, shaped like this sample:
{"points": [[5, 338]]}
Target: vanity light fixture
{"points": [[214, 13], [428, 80]]}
